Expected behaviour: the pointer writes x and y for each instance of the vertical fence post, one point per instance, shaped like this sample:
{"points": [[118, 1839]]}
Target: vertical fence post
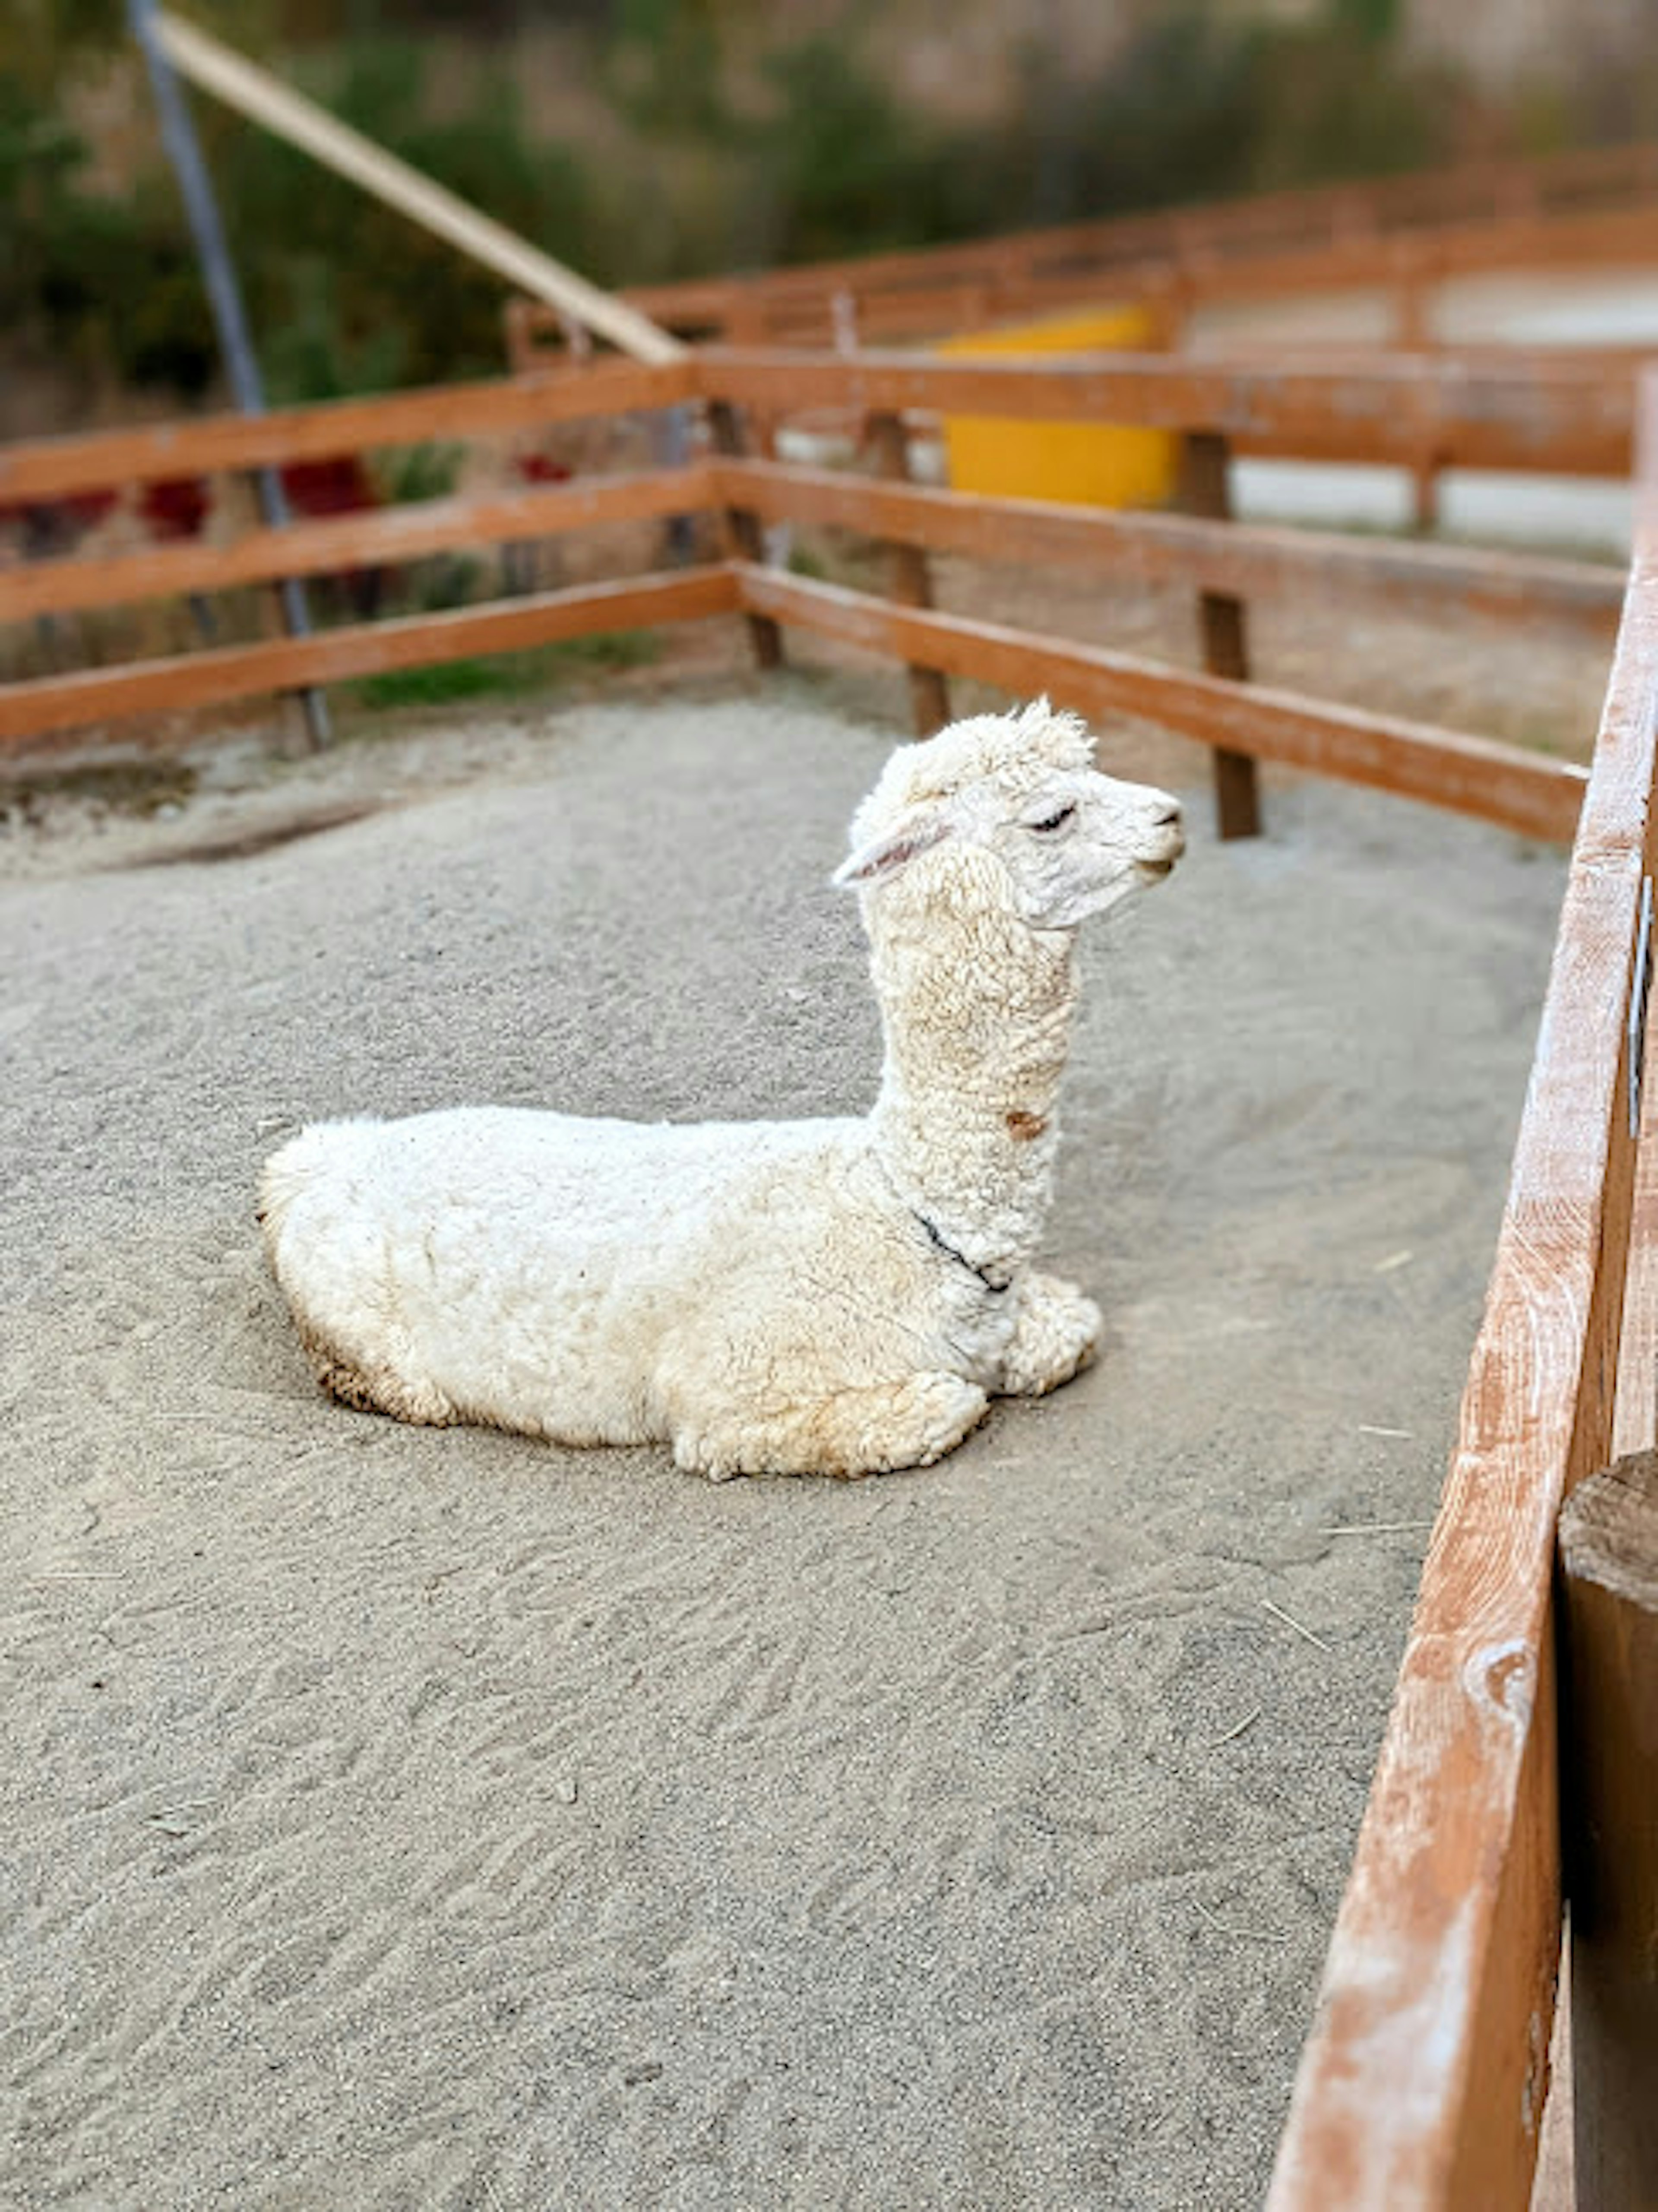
{"points": [[743, 529], [1413, 273], [224, 296], [1609, 1563], [1202, 489], [909, 579]]}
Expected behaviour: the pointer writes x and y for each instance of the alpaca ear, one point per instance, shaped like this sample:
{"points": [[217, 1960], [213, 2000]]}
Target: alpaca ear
{"points": [[883, 856]]}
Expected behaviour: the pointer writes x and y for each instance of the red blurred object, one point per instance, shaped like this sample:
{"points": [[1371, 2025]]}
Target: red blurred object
{"points": [[174, 508], [338, 485], [541, 468], [87, 509]]}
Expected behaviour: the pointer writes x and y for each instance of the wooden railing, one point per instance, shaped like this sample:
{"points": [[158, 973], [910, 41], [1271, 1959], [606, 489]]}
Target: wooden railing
{"points": [[1551, 417], [33, 476], [1565, 418], [1424, 2083], [1574, 210]]}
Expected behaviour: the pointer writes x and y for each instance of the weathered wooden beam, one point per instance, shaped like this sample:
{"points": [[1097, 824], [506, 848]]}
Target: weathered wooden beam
{"points": [[1422, 2087], [53, 466], [276, 107], [1250, 559], [1471, 194], [382, 536], [1204, 488], [744, 536], [1541, 416], [1634, 1419], [202, 679], [1609, 1567], [1500, 783], [911, 580], [1567, 419]]}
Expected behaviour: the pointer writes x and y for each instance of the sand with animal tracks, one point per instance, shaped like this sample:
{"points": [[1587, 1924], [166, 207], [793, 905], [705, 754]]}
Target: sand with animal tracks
{"points": [[406, 1819]]}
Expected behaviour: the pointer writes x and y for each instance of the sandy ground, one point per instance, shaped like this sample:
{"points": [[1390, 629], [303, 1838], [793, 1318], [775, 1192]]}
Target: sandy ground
{"points": [[423, 1819]]}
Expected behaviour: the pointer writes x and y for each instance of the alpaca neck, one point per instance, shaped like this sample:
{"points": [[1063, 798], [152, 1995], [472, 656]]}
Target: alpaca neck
{"points": [[976, 1017]]}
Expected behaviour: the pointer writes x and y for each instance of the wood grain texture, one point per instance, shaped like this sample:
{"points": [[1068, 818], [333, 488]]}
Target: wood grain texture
{"points": [[1472, 775], [910, 578], [1479, 413], [729, 435], [276, 107], [383, 537], [203, 679], [1609, 1570], [1424, 2082], [1195, 276], [1574, 419], [1205, 489], [1635, 1419], [1250, 559], [1370, 220], [48, 468]]}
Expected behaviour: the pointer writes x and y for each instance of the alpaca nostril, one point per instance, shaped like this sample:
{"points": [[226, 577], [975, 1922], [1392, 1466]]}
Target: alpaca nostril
{"points": [[1169, 817]]}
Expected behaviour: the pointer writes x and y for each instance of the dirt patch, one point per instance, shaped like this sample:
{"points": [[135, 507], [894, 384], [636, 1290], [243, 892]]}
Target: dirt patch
{"points": [[246, 844]]}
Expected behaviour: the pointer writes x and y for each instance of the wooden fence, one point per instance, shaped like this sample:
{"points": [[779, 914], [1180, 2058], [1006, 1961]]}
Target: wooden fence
{"points": [[1423, 2085], [1404, 233], [1558, 418]]}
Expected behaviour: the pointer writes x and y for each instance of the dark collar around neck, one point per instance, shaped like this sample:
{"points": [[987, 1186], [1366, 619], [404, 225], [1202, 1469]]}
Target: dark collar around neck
{"points": [[944, 1245]]}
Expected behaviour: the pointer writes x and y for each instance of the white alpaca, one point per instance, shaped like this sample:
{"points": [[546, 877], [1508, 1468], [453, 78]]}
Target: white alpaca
{"points": [[826, 1296]]}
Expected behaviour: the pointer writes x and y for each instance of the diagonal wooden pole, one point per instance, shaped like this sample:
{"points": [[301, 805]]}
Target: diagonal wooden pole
{"points": [[224, 296], [255, 93]]}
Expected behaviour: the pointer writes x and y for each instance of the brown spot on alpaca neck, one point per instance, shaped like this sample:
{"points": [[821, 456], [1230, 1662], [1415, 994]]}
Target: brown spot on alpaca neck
{"points": [[1022, 1126]]}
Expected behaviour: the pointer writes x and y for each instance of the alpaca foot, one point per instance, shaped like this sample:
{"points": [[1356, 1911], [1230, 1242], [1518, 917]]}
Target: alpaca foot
{"points": [[1057, 1334], [856, 1432]]}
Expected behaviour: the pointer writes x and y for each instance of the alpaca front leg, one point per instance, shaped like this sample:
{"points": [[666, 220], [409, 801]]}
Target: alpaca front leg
{"points": [[872, 1431], [1055, 1336]]}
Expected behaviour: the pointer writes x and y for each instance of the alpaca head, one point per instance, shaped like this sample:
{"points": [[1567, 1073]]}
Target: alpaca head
{"points": [[1067, 842]]}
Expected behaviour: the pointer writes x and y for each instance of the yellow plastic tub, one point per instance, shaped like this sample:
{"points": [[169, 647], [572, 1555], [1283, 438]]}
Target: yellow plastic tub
{"points": [[1092, 465]]}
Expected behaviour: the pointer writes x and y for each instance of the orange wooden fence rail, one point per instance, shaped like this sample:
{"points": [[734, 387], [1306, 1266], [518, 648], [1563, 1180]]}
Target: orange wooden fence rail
{"points": [[929, 289], [384, 536], [1253, 560], [1501, 783], [54, 467], [1422, 2087], [1546, 416], [1404, 265], [239, 672], [1567, 418], [1559, 417], [1597, 177], [1591, 177]]}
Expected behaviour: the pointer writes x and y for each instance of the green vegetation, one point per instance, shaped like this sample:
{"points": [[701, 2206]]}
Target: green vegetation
{"points": [[507, 675], [713, 147]]}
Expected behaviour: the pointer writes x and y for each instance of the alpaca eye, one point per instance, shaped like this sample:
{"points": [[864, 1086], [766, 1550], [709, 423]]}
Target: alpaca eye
{"points": [[1051, 822]]}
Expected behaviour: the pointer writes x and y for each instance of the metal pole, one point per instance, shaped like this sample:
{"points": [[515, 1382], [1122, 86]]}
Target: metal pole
{"points": [[224, 295]]}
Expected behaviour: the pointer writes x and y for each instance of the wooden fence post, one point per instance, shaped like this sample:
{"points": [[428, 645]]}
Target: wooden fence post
{"points": [[1202, 489], [909, 579], [1413, 271], [742, 526], [1609, 1562]]}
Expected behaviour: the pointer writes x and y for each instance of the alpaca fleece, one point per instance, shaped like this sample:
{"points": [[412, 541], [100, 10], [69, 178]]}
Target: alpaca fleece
{"points": [[836, 1297]]}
